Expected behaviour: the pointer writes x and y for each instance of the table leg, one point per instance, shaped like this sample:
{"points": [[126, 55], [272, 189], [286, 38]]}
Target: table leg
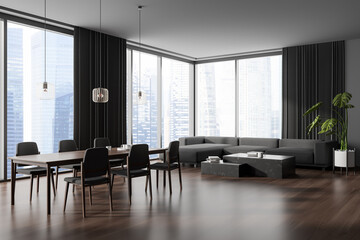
{"points": [[48, 190], [13, 178]]}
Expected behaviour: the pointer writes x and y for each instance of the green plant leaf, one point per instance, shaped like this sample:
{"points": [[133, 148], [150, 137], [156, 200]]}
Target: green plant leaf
{"points": [[349, 106], [312, 109], [328, 125], [314, 124], [341, 100], [330, 133]]}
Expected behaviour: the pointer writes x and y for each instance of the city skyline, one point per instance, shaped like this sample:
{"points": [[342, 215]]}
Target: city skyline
{"points": [[29, 117]]}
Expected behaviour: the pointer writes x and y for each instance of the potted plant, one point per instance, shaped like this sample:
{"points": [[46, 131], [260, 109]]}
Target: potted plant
{"points": [[336, 125]]}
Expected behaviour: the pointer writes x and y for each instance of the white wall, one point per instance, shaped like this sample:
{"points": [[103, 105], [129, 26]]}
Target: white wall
{"points": [[352, 85]]}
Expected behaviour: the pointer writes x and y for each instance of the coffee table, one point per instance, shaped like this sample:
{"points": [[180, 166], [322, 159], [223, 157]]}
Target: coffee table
{"points": [[274, 166]]}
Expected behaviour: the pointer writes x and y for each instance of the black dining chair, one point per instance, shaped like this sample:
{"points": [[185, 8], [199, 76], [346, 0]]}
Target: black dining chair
{"points": [[95, 170], [67, 146], [172, 162], [138, 164], [30, 148], [103, 142]]}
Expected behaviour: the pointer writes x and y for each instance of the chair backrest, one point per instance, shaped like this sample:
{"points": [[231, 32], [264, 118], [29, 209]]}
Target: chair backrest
{"points": [[26, 148], [67, 146], [101, 142], [138, 157], [173, 149], [96, 162]]}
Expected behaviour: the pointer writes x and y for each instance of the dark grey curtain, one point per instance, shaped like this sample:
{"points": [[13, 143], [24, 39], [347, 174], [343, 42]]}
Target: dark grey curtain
{"points": [[91, 119], [311, 73]]}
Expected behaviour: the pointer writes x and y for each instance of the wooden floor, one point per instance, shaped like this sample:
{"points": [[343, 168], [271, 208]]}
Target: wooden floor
{"points": [[313, 205]]}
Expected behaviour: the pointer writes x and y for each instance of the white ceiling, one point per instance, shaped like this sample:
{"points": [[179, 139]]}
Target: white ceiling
{"points": [[203, 28]]}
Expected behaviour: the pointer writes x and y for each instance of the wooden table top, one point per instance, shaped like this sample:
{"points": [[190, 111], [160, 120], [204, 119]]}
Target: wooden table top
{"points": [[71, 157]]}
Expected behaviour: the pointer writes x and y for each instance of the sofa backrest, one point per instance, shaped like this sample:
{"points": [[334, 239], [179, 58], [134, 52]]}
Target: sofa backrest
{"points": [[191, 140], [222, 140], [299, 143], [268, 142]]}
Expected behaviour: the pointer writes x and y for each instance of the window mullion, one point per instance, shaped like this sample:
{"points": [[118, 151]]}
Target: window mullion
{"points": [[159, 101]]}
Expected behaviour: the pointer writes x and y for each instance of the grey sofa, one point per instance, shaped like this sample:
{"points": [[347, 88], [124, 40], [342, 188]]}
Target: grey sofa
{"points": [[196, 149], [315, 153], [307, 152], [252, 144]]}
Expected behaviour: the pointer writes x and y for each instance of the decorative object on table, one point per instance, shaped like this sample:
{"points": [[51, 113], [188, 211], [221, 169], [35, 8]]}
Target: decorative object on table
{"points": [[213, 159], [99, 94], [124, 147], [336, 125], [255, 154]]}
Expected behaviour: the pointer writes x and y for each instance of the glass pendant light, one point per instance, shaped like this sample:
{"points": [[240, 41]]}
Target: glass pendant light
{"points": [[99, 94], [141, 96], [46, 90]]}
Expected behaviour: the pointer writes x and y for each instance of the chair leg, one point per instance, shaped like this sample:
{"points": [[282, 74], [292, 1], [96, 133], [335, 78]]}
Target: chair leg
{"points": [[146, 183], [164, 178], [129, 189], [74, 175], [170, 187], [112, 180], [53, 184], [150, 185], [180, 178], [66, 194], [57, 177], [90, 195], [31, 186], [157, 178], [83, 200], [110, 197], [38, 183]]}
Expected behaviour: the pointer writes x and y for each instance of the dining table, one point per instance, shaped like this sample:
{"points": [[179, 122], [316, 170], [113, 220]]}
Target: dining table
{"points": [[62, 158]]}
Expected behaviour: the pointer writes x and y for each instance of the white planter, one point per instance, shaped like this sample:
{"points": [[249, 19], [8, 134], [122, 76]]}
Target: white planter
{"points": [[344, 158]]}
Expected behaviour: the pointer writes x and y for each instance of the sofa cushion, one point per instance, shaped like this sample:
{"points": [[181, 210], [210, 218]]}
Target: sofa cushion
{"points": [[269, 142], [199, 152], [302, 155], [222, 140], [244, 149], [191, 140], [298, 143]]}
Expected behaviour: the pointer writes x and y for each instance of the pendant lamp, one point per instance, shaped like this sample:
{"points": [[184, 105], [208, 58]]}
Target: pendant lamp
{"points": [[141, 96], [47, 90], [99, 94]]}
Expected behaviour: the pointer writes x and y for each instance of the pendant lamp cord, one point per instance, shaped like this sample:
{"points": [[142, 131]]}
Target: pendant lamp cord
{"points": [[139, 8], [45, 40], [100, 44]]}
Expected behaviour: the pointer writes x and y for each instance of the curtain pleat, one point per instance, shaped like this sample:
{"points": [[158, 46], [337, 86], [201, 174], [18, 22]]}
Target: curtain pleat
{"points": [[91, 119], [311, 73]]}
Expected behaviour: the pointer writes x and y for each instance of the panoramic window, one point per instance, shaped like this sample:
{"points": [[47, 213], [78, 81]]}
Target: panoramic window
{"points": [[260, 91], [166, 112], [30, 116], [145, 114], [215, 97], [175, 100]]}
